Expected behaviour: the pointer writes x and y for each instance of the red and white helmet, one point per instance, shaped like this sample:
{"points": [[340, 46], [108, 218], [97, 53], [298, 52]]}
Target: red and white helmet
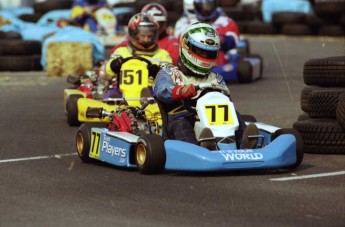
{"points": [[159, 13], [199, 48], [143, 32]]}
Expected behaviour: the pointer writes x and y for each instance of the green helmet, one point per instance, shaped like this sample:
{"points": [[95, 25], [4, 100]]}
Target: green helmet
{"points": [[199, 48]]}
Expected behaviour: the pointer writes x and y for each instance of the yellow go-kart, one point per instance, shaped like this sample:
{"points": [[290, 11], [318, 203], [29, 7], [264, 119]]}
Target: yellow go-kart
{"points": [[134, 83]]}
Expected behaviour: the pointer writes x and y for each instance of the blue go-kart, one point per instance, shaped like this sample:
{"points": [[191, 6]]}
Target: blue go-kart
{"points": [[152, 152]]}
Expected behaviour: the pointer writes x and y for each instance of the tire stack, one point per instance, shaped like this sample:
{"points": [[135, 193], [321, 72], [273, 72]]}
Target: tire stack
{"points": [[322, 126], [17, 54], [328, 19], [42, 7]]}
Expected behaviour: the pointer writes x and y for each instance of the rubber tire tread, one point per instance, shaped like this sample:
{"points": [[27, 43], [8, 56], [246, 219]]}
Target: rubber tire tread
{"points": [[322, 136], [323, 103], [155, 157], [340, 112], [244, 72], [72, 110], [305, 98], [325, 72]]}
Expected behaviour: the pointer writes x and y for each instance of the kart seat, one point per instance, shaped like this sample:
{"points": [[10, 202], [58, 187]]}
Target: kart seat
{"points": [[164, 116]]}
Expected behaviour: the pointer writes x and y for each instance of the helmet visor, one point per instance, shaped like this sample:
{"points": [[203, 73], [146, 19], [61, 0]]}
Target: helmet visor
{"points": [[205, 51], [147, 36]]}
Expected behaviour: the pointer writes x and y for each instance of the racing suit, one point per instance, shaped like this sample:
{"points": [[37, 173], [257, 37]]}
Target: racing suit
{"points": [[82, 11], [180, 125]]}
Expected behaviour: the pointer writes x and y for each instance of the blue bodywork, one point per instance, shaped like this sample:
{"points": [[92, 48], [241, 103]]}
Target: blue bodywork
{"points": [[119, 149]]}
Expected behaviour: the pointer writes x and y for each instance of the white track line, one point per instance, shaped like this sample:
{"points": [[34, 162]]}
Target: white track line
{"points": [[308, 176], [36, 158]]}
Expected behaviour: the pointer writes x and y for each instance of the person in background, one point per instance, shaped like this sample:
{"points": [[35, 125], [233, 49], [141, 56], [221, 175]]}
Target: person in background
{"points": [[82, 13], [142, 41], [208, 11], [175, 86], [186, 18], [165, 40]]}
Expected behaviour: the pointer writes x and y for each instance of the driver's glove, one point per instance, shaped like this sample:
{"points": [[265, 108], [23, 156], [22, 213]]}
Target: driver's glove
{"points": [[180, 92], [115, 65]]}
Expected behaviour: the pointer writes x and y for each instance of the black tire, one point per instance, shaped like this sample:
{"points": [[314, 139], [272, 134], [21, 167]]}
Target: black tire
{"points": [[323, 102], [325, 72], [303, 117], [331, 30], [283, 18], [261, 66], [299, 144], [20, 47], [340, 112], [30, 17], [20, 63], [259, 27], [296, 30], [244, 72], [150, 154], [83, 140], [329, 7], [10, 35], [321, 136], [305, 98], [72, 110], [46, 6]]}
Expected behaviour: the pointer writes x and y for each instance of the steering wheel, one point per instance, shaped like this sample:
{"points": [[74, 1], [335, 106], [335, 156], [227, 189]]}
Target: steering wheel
{"points": [[139, 58], [202, 89]]}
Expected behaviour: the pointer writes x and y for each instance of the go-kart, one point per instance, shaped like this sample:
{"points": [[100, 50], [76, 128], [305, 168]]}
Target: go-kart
{"points": [[125, 122], [242, 66], [152, 153], [133, 83], [94, 85]]}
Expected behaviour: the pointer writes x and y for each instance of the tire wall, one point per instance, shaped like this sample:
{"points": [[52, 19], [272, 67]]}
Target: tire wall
{"points": [[322, 125]]}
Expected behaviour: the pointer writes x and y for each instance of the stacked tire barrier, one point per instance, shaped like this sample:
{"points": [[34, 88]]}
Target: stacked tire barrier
{"points": [[327, 19], [17, 54], [322, 126]]}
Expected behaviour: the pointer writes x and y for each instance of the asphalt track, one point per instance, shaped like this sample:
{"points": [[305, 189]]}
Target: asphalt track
{"points": [[43, 182]]}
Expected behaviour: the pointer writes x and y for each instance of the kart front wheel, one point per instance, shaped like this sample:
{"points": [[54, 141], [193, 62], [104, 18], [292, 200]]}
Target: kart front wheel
{"points": [[72, 110], [299, 144], [150, 154], [83, 140]]}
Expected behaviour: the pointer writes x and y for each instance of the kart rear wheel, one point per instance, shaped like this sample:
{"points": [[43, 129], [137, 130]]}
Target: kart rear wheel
{"points": [[72, 110], [83, 140], [299, 144], [150, 154]]}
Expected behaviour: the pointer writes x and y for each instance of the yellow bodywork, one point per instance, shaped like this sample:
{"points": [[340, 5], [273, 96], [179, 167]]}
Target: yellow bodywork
{"points": [[84, 103], [68, 92], [151, 111], [134, 77]]}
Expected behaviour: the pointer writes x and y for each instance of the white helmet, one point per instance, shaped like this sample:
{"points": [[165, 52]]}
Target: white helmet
{"points": [[199, 48], [188, 8]]}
